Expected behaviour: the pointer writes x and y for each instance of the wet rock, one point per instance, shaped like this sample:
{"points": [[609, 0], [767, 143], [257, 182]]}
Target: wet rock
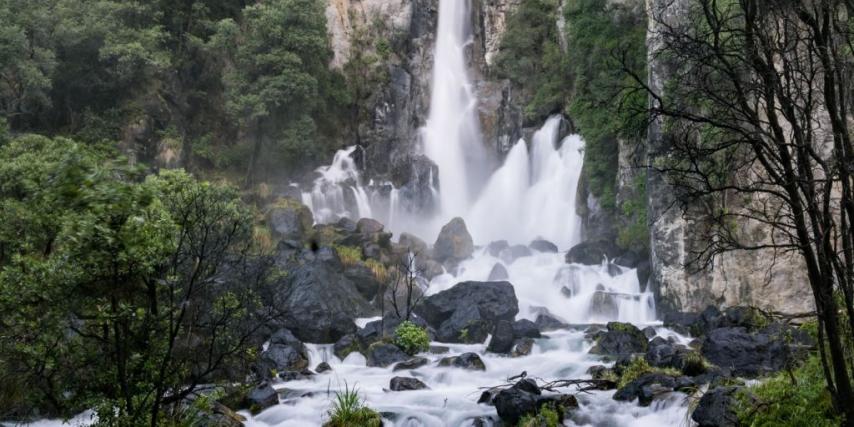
{"points": [[322, 367], [406, 384], [376, 330], [549, 322], [717, 408], [284, 353], [600, 372], [746, 354], [470, 361], [613, 269], [709, 319], [592, 253], [346, 345], [439, 349], [220, 416], [261, 397], [515, 402], [649, 332], [496, 247], [295, 375], [412, 244], [502, 338], [620, 339], [604, 304], [543, 246], [512, 253], [646, 388], [750, 318], [383, 354], [680, 322], [470, 307], [669, 355], [522, 347], [498, 273], [643, 271], [525, 328], [367, 226], [454, 242], [364, 278], [413, 363], [289, 219], [320, 303]]}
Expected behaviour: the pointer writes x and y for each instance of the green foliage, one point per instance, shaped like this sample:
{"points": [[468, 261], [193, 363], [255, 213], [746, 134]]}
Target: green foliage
{"points": [[530, 56], [784, 400], [634, 232], [350, 255], [547, 416], [639, 367], [105, 275], [411, 338], [348, 410]]}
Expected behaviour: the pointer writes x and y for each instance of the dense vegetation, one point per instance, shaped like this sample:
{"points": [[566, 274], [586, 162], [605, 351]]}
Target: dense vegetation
{"points": [[201, 84], [587, 83]]}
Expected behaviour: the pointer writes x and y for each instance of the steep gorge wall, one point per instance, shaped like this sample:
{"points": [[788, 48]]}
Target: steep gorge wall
{"points": [[759, 277]]}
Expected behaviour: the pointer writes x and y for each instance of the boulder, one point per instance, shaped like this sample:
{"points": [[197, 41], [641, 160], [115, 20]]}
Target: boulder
{"points": [[470, 361], [646, 388], [540, 245], [680, 322], [668, 355], [548, 322], [454, 242], [369, 226], [502, 338], [525, 328], [322, 367], [592, 252], [748, 317], [496, 247], [746, 354], [649, 332], [346, 345], [284, 353], [512, 253], [289, 219], [406, 384], [382, 354], [320, 303], [522, 347], [363, 278], [498, 273], [464, 312], [521, 399], [717, 408], [413, 363], [261, 397], [620, 339], [412, 244], [371, 333]]}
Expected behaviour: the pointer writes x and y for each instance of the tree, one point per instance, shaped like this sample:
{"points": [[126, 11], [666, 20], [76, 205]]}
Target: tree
{"points": [[752, 123], [277, 80], [120, 293]]}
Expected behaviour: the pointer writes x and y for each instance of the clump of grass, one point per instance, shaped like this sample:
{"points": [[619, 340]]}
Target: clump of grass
{"points": [[348, 410], [380, 271], [411, 338], [350, 255], [639, 367], [548, 416]]}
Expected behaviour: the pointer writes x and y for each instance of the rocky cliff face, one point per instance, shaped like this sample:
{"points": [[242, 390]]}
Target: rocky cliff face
{"points": [[743, 277]]}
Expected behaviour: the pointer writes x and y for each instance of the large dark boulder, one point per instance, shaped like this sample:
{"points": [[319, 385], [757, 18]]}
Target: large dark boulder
{"points": [[261, 397], [318, 302], [469, 310], [502, 338], [382, 354], [470, 361], [521, 399], [546, 321], [346, 345], [717, 408], [541, 245], [748, 317], [289, 219], [747, 354], [363, 278], [646, 388], [454, 242], [413, 363], [284, 353], [406, 384], [525, 328], [413, 244], [621, 339], [592, 252]]}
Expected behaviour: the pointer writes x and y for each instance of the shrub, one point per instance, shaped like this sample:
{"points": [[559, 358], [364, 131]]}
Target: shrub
{"points": [[638, 368], [548, 416], [799, 398], [411, 338], [348, 410], [349, 255]]}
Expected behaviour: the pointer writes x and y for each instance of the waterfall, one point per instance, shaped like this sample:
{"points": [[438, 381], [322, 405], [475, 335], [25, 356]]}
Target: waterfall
{"points": [[452, 133]]}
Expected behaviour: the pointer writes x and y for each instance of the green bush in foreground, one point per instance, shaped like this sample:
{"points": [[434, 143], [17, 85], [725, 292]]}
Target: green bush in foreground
{"points": [[547, 417], [348, 410], [784, 400], [411, 338]]}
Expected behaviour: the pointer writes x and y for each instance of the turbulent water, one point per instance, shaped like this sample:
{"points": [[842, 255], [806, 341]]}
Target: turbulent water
{"points": [[531, 195]]}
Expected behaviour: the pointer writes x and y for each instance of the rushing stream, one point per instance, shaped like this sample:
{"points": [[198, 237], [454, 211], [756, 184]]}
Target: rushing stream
{"points": [[531, 195]]}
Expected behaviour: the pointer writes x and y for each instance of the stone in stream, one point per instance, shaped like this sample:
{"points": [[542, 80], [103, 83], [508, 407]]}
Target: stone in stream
{"points": [[322, 367], [525, 328], [512, 253], [413, 363], [541, 245], [284, 353], [467, 312], [498, 273], [382, 354], [261, 397], [592, 252], [522, 347], [346, 345], [502, 338], [406, 384], [495, 248], [525, 398], [645, 388], [454, 242], [546, 321], [470, 361], [620, 339]]}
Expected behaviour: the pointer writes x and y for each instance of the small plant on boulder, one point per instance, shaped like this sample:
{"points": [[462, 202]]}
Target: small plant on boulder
{"points": [[348, 410], [411, 338]]}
